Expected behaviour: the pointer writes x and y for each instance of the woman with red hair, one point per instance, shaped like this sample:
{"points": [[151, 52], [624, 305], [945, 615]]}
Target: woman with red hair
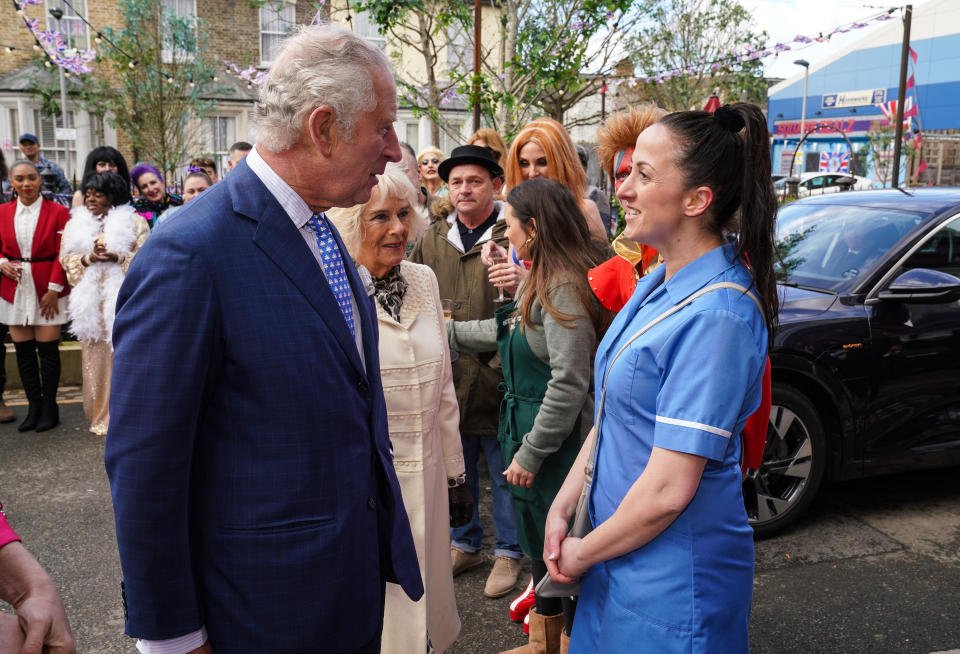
{"points": [[544, 149]]}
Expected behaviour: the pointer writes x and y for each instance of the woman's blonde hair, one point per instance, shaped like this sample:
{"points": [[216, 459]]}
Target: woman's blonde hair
{"points": [[393, 183], [562, 160], [428, 150], [493, 141]]}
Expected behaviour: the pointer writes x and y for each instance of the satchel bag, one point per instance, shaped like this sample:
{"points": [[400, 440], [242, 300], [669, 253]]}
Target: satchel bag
{"points": [[581, 526]]}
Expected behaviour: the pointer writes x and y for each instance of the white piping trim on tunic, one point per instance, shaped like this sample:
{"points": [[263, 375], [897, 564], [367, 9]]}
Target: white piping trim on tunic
{"points": [[695, 425]]}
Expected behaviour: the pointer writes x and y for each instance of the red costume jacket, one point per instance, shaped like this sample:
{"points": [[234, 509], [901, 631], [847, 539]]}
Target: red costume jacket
{"points": [[46, 245]]}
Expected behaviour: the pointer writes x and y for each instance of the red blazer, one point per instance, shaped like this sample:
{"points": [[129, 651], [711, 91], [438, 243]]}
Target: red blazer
{"points": [[46, 244]]}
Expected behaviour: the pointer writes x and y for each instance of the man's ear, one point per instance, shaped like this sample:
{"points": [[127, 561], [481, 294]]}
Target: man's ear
{"points": [[321, 126], [497, 185], [697, 201]]}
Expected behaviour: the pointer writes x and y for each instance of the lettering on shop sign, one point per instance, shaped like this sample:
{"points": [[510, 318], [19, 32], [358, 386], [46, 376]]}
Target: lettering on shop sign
{"points": [[849, 126], [851, 346]]}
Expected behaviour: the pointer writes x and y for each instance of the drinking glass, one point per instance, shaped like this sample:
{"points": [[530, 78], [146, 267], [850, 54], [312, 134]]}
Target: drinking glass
{"points": [[497, 255]]}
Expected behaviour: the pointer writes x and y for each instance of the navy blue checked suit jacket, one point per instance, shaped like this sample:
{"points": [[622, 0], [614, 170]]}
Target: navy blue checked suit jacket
{"points": [[248, 452]]}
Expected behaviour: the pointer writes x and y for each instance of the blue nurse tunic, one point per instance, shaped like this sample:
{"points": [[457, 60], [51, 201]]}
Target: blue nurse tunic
{"points": [[688, 384]]}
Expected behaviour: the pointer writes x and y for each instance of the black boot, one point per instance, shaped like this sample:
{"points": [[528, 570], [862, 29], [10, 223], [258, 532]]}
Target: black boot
{"points": [[30, 376], [50, 375]]}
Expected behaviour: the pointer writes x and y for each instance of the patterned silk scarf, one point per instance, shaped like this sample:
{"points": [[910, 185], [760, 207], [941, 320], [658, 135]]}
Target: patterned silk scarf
{"points": [[389, 291]]}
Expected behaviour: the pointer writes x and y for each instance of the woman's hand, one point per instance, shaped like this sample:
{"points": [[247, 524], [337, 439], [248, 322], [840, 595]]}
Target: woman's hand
{"points": [[486, 252], [507, 276], [571, 563], [48, 304], [105, 256], [517, 475], [11, 270], [554, 535]]}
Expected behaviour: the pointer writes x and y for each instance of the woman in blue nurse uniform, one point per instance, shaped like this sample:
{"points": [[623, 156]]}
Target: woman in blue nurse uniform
{"points": [[668, 566]]}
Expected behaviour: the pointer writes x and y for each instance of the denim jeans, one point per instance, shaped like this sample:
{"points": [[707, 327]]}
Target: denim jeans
{"points": [[469, 538]]}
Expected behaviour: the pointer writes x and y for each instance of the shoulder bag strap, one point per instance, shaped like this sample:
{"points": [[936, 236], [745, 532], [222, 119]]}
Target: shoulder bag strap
{"points": [[663, 316]]}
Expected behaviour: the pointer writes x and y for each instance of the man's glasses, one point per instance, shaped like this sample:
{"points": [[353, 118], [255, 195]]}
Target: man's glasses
{"points": [[427, 162]]}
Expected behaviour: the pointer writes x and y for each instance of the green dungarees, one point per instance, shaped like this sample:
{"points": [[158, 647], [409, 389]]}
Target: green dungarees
{"points": [[526, 378]]}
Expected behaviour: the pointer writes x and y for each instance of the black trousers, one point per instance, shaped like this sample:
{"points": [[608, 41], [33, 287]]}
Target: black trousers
{"points": [[3, 367]]}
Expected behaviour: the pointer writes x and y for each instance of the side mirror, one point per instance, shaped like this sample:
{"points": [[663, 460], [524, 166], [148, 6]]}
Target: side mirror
{"points": [[923, 286]]}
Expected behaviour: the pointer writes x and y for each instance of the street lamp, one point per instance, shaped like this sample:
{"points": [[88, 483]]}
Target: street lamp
{"points": [[803, 109], [57, 14]]}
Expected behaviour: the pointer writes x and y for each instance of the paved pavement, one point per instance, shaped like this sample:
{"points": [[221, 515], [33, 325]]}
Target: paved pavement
{"points": [[874, 567]]}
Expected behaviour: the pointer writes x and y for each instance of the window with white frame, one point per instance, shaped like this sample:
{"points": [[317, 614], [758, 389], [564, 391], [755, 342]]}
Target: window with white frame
{"points": [[218, 134], [365, 26], [277, 18], [176, 9], [50, 147], [413, 135], [459, 49], [71, 25], [447, 142]]}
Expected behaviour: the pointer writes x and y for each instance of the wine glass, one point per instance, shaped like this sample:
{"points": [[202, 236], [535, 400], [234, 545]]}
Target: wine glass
{"points": [[498, 255]]}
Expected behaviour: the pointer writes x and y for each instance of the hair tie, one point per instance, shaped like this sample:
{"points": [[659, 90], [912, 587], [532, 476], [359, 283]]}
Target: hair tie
{"points": [[195, 169], [729, 118]]}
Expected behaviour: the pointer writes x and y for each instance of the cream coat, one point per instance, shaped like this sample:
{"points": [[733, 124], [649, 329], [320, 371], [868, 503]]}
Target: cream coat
{"points": [[424, 428]]}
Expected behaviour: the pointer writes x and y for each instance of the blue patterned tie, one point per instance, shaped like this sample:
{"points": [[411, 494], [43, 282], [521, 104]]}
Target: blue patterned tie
{"points": [[332, 264]]}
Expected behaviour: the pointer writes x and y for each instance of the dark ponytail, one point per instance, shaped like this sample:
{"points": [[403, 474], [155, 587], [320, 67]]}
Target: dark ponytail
{"points": [[729, 151]]}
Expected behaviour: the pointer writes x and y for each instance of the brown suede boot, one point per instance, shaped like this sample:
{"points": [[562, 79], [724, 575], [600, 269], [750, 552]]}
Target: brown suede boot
{"points": [[564, 642], [544, 635]]}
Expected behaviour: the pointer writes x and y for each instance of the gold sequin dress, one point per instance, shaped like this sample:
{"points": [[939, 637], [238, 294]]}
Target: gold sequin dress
{"points": [[97, 352]]}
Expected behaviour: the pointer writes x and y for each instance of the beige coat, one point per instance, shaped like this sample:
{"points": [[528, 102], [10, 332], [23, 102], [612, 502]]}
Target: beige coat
{"points": [[424, 421]]}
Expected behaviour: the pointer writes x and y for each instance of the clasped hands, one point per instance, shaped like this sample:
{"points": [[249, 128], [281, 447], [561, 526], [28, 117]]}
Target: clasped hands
{"points": [[562, 554], [502, 275], [100, 254]]}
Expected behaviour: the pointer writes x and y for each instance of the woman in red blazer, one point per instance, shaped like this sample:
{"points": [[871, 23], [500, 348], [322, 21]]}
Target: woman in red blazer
{"points": [[33, 287]]}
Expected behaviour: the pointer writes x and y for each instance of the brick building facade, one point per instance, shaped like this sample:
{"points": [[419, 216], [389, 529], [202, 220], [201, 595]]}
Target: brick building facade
{"points": [[236, 31]]}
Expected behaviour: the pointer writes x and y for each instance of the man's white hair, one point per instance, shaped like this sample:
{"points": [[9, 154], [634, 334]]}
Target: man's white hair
{"points": [[319, 65]]}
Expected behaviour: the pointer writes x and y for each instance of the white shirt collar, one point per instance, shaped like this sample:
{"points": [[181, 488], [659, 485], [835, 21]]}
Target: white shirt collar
{"points": [[292, 203]]}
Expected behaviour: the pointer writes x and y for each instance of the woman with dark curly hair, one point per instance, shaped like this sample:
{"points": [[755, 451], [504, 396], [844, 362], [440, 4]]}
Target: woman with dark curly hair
{"points": [[98, 245], [103, 159]]}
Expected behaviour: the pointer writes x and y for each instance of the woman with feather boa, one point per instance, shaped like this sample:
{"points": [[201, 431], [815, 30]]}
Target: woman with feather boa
{"points": [[98, 244]]}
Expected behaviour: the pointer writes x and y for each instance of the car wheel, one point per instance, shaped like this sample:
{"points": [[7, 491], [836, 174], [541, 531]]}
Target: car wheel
{"points": [[794, 460]]}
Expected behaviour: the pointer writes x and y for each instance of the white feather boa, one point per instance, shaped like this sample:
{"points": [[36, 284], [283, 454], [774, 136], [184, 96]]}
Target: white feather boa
{"points": [[93, 300]]}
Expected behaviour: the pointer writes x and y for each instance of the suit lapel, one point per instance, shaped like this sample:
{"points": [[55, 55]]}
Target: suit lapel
{"points": [[282, 243]]}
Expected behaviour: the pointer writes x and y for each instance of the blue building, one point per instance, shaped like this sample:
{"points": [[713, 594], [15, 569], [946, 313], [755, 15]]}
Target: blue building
{"points": [[845, 94]]}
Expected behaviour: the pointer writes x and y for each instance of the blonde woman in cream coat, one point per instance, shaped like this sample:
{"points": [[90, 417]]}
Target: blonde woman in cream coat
{"points": [[422, 410]]}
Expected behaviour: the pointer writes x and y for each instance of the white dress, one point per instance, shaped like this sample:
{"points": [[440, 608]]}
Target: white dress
{"points": [[25, 308]]}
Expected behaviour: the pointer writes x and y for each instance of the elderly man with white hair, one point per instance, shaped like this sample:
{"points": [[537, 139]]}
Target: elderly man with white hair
{"points": [[257, 507]]}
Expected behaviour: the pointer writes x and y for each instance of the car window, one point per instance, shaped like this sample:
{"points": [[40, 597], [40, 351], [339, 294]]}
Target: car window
{"points": [[815, 182], [828, 247], [941, 252]]}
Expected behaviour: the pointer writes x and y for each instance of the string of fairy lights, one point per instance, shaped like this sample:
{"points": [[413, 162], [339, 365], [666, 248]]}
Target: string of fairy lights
{"points": [[74, 61]]}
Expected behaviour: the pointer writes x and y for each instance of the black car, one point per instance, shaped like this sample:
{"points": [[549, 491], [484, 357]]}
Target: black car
{"points": [[866, 359]]}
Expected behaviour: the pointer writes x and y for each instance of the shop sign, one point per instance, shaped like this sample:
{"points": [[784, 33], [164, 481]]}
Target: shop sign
{"points": [[853, 99], [858, 126]]}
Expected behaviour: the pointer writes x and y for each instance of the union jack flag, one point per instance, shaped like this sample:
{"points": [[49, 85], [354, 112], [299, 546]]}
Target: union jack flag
{"points": [[835, 162]]}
